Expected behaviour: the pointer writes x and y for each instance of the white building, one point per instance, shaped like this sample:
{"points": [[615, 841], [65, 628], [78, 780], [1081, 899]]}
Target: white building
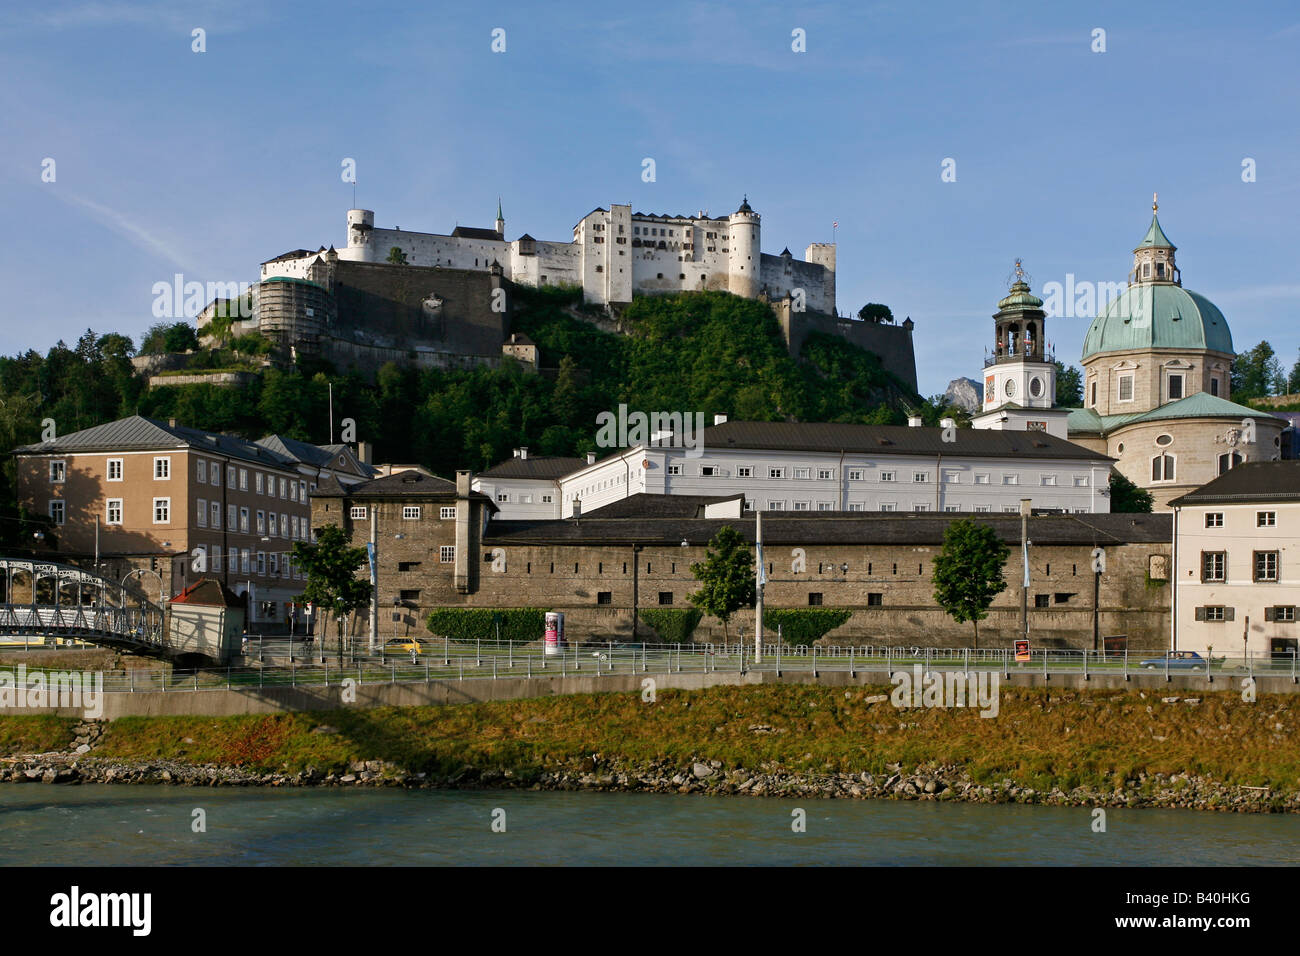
{"points": [[780, 466], [1237, 563], [612, 254]]}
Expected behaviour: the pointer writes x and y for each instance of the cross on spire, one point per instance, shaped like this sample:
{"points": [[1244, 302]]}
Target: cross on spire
{"points": [[1155, 201]]}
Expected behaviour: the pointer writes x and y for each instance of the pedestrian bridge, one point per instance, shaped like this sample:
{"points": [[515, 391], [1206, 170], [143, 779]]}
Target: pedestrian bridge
{"points": [[42, 599]]}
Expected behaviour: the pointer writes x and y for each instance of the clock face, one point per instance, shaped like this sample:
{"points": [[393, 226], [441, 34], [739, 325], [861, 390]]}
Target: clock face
{"points": [[1009, 388], [1035, 386]]}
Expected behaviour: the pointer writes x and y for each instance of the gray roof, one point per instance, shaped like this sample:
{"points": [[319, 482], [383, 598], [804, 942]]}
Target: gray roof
{"points": [[891, 440], [830, 527], [296, 254], [405, 484], [643, 505], [1262, 481], [318, 456], [474, 232], [145, 434], [541, 466]]}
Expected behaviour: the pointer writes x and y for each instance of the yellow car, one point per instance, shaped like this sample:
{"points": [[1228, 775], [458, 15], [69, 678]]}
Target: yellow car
{"points": [[404, 645]]}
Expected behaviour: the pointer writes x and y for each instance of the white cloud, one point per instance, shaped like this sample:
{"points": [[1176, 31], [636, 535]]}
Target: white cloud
{"points": [[127, 228]]}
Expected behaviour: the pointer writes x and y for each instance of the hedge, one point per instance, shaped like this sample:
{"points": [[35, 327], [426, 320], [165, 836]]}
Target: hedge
{"points": [[803, 626], [673, 625], [519, 625]]}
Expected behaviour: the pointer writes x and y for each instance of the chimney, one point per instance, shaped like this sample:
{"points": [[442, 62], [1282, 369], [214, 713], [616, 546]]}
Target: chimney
{"points": [[523, 453], [913, 421], [365, 452], [516, 452], [171, 423], [577, 508], [462, 484], [591, 457], [719, 419]]}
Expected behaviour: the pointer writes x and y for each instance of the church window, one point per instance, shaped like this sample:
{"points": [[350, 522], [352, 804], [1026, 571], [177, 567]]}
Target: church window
{"points": [[1175, 387], [1160, 270], [1146, 270], [1162, 468], [1126, 388], [1214, 385], [1094, 393]]}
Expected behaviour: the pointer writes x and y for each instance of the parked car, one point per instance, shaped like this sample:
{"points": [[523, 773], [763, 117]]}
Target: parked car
{"points": [[404, 645], [1176, 660]]}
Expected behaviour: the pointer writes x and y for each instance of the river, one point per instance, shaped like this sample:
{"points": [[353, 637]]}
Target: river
{"points": [[150, 825]]}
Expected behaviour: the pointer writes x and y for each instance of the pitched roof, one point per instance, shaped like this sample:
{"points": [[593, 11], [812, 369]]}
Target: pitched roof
{"points": [[405, 484], [1197, 405], [644, 505], [890, 440], [473, 232], [296, 254], [306, 453], [137, 433], [1155, 237], [210, 592], [1261, 481], [541, 466], [831, 527]]}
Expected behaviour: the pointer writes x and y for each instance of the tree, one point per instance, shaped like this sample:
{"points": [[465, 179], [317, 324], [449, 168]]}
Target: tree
{"points": [[1128, 498], [968, 571], [396, 256], [1293, 380], [332, 583], [875, 312], [726, 576], [169, 337], [1256, 373], [1069, 386]]}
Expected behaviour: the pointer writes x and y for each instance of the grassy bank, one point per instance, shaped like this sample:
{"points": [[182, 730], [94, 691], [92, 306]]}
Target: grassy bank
{"points": [[1041, 739]]}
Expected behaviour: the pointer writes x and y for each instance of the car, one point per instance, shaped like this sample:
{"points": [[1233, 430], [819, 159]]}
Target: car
{"points": [[404, 645], [1176, 660]]}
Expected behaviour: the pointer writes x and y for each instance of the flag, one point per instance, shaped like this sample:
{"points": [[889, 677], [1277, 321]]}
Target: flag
{"points": [[1024, 550], [835, 224], [762, 567]]}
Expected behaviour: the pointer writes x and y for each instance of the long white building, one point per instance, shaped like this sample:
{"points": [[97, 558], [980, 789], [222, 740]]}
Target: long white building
{"points": [[779, 466]]}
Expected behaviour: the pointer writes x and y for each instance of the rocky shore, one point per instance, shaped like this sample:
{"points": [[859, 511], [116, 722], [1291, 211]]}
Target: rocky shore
{"points": [[700, 776]]}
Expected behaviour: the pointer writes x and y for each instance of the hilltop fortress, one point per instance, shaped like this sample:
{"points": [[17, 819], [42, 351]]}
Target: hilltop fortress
{"points": [[433, 300]]}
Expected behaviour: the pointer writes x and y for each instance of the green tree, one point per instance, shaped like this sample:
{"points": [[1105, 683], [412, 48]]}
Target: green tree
{"points": [[396, 256], [332, 583], [1256, 373], [169, 337], [1069, 386], [726, 576], [1293, 380], [968, 571], [1128, 498], [875, 312]]}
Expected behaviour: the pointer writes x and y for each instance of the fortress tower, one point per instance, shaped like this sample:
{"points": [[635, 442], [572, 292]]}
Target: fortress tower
{"points": [[744, 258], [361, 223]]}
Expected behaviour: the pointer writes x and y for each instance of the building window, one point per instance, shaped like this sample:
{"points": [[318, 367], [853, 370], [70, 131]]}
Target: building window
{"points": [[875, 599], [814, 598], [744, 471], [270, 523], [1214, 519], [243, 520], [951, 508], [214, 474], [411, 512], [825, 474], [1042, 600], [1081, 481], [449, 511], [801, 505], [284, 525], [1214, 385], [1265, 519], [113, 511], [230, 476], [447, 554], [546, 500], [776, 473], [1162, 468], [981, 479], [243, 479], [1093, 402], [888, 506], [162, 468], [503, 496], [58, 511], [115, 469], [855, 506], [709, 471], [408, 565], [58, 472], [257, 483], [1282, 613], [674, 469], [1212, 613], [1011, 479], [920, 476], [952, 477], [857, 474], [1175, 388], [245, 557], [1229, 460], [665, 597], [1213, 565], [261, 522], [776, 506], [604, 597], [216, 557], [215, 508], [1126, 388], [261, 562], [1048, 480], [162, 511], [356, 512], [887, 476], [825, 506], [802, 473], [1266, 565], [201, 471], [275, 565], [981, 508], [409, 596]]}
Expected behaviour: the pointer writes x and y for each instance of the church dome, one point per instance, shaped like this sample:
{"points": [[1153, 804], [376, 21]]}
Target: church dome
{"points": [[1020, 296], [1158, 316]]}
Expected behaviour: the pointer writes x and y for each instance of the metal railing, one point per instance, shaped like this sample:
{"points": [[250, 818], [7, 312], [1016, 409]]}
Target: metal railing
{"points": [[447, 660]]}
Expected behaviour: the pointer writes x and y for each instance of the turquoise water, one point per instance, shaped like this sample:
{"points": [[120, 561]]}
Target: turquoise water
{"points": [[148, 825]]}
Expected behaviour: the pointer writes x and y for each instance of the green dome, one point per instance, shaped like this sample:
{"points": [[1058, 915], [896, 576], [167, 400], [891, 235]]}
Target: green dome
{"points": [[1020, 296], [1158, 316]]}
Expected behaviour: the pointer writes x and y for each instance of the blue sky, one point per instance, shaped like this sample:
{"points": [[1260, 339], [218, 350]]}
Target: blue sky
{"points": [[208, 163]]}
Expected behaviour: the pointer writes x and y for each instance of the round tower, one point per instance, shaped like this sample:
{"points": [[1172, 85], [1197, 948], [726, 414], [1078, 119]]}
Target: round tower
{"points": [[743, 252], [361, 223]]}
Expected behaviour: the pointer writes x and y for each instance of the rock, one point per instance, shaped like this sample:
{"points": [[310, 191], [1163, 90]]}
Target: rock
{"points": [[348, 778], [965, 393], [324, 729], [702, 770], [715, 764], [84, 748], [875, 699], [1169, 700], [1191, 700]]}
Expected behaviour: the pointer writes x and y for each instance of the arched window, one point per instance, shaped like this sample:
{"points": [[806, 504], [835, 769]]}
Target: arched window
{"points": [[1162, 468]]}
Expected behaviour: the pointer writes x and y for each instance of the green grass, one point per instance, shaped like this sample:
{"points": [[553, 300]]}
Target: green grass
{"points": [[1040, 738]]}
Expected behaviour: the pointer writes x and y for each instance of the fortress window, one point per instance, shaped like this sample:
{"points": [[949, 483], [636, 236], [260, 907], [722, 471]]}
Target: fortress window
{"points": [[447, 554], [600, 268], [604, 597], [665, 597], [681, 275], [660, 275], [1042, 600], [875, 599], [814, 598]]}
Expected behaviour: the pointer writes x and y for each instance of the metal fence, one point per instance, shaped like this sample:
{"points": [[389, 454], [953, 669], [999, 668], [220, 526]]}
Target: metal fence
{"points": [[296, 664]]}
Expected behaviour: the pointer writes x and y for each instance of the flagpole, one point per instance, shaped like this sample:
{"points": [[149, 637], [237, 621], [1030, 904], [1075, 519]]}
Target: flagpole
{"points": [[760, 578]]}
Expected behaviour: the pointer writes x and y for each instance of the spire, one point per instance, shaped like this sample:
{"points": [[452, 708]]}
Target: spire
{"points": [[499, 216], [501, 220], [1153, 259]]}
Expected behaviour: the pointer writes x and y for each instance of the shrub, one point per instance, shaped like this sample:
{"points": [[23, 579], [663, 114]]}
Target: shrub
{"points": [[804, 625], [673, 625], [519, 625]]}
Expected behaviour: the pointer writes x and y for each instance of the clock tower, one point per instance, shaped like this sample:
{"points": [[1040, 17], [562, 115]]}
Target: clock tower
{"points": [[1020, 375]]}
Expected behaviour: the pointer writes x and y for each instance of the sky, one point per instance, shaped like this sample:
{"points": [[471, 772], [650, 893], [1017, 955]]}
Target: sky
{"points": [[168, 160]]}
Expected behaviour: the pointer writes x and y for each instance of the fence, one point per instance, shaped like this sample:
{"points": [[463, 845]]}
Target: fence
{"points": [[447, 660]]}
